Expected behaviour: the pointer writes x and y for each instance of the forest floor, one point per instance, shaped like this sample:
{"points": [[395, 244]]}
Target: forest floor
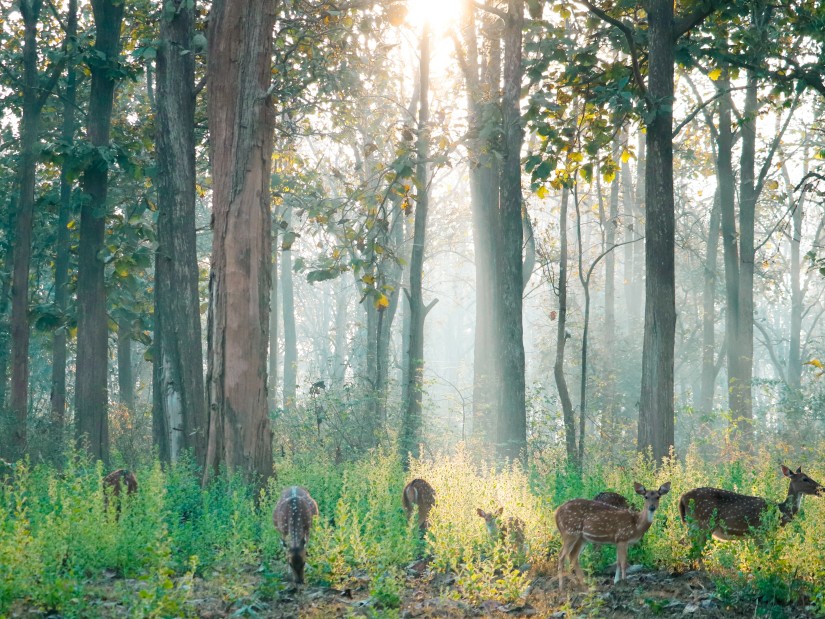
{"points": [[247, 593]]}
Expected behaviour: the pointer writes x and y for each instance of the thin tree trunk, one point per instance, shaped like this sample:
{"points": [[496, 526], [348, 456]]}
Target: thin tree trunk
{"points": [[709, 310], [272, 389], [794, 363], [61, 262], [181, 407], [22, 251], [91, 392], [656, 413], [290, 333], [743, 411], [561, 339], [411, 431], [511, 435], [125, 375], [241, 122], [637, 283], [339, 369], [610, 260]]}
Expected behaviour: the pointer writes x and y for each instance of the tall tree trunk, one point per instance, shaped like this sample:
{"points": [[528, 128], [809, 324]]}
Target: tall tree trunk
{"points": [[339, 367], [512, 415], [178, 350], [730, 244], [290, 333], [483, 85], [125, 374], [561, 339], [637, 274], [411, 430], [241, 125], [794, 363], [91, 393], [62, 247], [21, 261], [272, 389], [610, 259], [656, 414], [709, 310], [743, 410]]}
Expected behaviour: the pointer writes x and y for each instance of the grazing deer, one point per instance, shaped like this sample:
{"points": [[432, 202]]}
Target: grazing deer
{"points": [[727, 515], [510, 530], [581, 521], [418, 494], [113, 485], [615, 499], [293, 518]]}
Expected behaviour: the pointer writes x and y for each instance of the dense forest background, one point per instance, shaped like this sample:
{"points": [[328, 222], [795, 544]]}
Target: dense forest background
{"points": [[257, 237]]}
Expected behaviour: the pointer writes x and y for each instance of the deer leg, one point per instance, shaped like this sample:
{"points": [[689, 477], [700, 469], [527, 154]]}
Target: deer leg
{"points": [[575, 568], [621, 562], [565, 552]]}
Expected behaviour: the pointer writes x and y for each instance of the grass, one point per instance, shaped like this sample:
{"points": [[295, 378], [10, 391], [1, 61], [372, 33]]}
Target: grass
{"points": [[57, 540]]}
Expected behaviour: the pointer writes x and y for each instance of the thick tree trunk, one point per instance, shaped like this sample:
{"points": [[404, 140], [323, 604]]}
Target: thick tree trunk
{"points": [[561, 340], [22, 251], [241, 125], [511, 435], [91, 393], [61, 262], [178, 351], [656, 414], [411, 429], [709, 310]]}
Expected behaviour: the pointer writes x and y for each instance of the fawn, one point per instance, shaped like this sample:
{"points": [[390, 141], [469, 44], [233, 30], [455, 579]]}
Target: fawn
{"points": [[418, 494], [581, 521], [726, 515], [510, 530], [293, 518], [113, 484]]}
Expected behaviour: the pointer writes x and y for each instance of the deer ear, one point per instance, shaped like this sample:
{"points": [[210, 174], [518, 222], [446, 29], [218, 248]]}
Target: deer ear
{"points": [[799, 471], [499, 511], [664, 488], [640, 489], [481, 512], [786, 471]]}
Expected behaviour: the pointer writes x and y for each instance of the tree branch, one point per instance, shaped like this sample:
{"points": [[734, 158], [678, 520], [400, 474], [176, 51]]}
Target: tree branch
{"points": [[691, 20], [491, 9]]}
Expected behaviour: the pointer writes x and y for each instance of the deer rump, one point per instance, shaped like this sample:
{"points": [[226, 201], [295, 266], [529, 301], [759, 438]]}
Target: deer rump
{"points": [[418, 494], [732, 515], [293, 518]]}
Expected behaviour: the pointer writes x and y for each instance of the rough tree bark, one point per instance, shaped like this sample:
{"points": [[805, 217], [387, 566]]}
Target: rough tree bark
{"points": [[656, 427], [180, 408], [290, 334], [91, 394], [241, 125]]}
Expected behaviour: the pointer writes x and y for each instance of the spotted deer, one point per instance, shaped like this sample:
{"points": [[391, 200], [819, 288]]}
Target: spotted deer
{"points": [[726, 515], [293, 518], [581, 520], [615, 499], [511, 530], [113, 485], [418, 495]]}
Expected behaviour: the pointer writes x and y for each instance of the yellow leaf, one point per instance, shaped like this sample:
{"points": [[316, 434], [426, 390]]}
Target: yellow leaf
{"points": [[542, 192], [368, 279], [382, 302], [715, 74], [609, 177], [379, 249], [815, 362], [772, 185], [71, 225], [625, 155], [577, 157]]}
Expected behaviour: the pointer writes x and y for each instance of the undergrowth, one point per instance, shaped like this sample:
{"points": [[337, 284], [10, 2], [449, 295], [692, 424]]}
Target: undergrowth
{"points": [[57, 538]]}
